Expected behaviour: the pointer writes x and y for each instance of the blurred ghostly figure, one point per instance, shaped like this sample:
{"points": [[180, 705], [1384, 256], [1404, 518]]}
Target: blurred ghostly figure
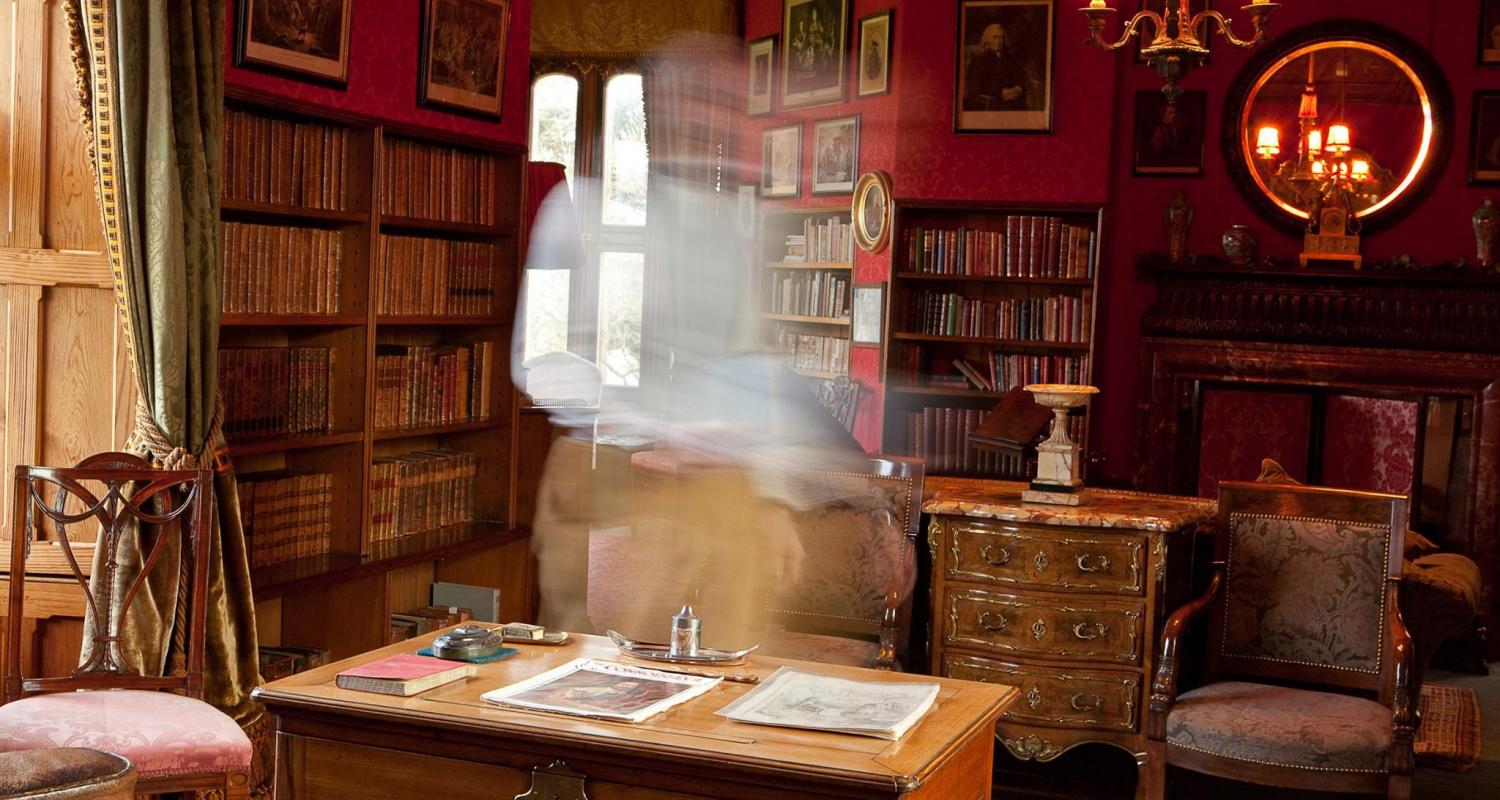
{"points": [[702, 517]]}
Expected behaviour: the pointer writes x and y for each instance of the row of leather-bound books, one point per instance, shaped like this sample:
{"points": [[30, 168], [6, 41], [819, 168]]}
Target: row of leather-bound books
{"points": [[279, 161], [1029, 246], [810, 293], [286, 515], [940, 436], [915, 365], [1058, 318], [280, 269], [419, 386], [437, 276], [813, 353], [274, 391], [434, 182], [420, 491]]}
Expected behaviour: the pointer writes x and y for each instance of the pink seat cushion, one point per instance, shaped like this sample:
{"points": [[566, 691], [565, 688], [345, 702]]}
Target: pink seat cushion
{"points": [[161, 733]]}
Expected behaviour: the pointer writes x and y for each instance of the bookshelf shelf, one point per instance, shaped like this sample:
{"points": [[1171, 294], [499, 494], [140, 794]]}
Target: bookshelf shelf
{"points": [[252, 447], [819, 374], [998, 344], [437, 430], [932, 276], [840, 321], [342, 600], [439, 319], [279, 212], [1038, 321], [439, 227], [290, 320], [828, 265]]}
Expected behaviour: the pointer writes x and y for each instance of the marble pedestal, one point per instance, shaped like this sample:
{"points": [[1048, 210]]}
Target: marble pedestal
{"points": [[1056, 466]]}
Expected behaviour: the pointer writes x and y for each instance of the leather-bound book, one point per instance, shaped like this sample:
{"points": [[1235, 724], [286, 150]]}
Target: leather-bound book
{"points": [[1013, 425]]}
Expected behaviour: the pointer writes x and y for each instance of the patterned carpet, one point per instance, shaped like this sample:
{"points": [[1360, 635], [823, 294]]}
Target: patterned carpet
{"points": [[1449, 737]]}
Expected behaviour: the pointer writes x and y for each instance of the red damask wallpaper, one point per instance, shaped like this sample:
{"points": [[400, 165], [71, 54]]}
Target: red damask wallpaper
{"points": [[1370, 443], [383, 50], [1242, 427]]}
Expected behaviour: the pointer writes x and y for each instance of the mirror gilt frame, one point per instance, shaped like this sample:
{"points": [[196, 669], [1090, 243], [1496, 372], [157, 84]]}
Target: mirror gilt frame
{"points": [[1410, 57]]}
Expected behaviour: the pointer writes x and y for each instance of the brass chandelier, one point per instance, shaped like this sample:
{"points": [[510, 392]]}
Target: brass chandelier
{"points": [[1177, 47]]}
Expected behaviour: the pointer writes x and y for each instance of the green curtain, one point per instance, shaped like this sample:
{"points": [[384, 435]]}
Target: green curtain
{"points": [[151, 73]]}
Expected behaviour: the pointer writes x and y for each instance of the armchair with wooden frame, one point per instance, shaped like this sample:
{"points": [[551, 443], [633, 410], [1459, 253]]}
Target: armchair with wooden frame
{"points": [[858, 531], [177, 742], [1308, 670]]}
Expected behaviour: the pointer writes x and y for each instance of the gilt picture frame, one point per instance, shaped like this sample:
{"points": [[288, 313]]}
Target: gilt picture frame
{"points": [[1003, 68], [781, 161], [760, 76], [835, 155], [814, 52], [309, 40], [873, 58], [462, 59], [871, 211]]}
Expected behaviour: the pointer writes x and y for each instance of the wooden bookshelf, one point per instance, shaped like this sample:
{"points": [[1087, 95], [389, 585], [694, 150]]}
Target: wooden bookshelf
{"points": [[814, 335], [1010, 289], [342, 599]]}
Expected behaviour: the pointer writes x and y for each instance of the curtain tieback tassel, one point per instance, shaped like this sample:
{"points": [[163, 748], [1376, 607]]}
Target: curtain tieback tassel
{"points": [[148, 439]]}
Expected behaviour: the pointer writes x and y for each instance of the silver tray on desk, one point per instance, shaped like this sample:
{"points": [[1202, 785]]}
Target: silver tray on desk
{"points": [[654, 651]]}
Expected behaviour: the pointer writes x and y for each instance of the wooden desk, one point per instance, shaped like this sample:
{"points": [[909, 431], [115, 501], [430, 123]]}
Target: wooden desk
{"points": [[447, 744]]}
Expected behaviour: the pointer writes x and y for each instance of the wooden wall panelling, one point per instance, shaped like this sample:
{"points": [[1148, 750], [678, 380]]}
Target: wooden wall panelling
{"points": [[77, 419], [507, 568], [337, 617], [25, 39], [408, 588], [268, 622], [22, 370], [70, 205]]}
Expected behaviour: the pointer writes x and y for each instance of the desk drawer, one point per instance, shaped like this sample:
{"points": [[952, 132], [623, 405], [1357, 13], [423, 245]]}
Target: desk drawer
{"points": [[1104, 701], [1046, 557], [1044, 627]]}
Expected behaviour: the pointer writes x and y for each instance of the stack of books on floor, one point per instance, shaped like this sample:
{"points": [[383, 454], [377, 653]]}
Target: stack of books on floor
{"points": [[1060, 318], [420, 386], [417, 621], [279, 161], [276, 269], [286, 515], [1029, 247], [436, 276], [274, 391], [420, 491], [285, 660], [437, 183]]}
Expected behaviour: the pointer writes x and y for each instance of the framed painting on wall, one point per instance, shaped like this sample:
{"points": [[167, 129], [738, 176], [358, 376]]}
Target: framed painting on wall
{"points": [[866, 323], [1484, 145], [835, 155], [874, 56], [814, 51], [309, 38], [462, 58], [781, 161], [871, 213], [1003, 80], [1489, 33], [1169, 138], [760, 70]]}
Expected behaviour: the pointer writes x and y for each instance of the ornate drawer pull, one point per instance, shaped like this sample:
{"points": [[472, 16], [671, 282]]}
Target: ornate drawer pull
{"points": [[1040, 561], [1089, 630], [1033, 698], [1093, 702], [1100, 563], [993, 621], [984, 553], [1039, 628]]}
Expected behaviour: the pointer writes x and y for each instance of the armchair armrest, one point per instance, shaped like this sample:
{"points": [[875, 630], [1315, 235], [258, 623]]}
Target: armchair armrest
{"points": [[1164, 682], [890, 620], [1403, 704]]}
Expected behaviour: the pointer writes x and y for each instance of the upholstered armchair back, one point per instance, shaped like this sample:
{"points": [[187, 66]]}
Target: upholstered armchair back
{"points": [[858, 532], [1308, 584]]}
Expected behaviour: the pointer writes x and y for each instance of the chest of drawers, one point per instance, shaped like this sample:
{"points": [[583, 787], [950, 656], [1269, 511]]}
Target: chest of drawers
{"points": [[1062, 602]]}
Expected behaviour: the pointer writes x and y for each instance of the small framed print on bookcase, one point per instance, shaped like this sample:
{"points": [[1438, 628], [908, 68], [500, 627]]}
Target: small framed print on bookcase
{"points": [[364, 353], [983, 298]]}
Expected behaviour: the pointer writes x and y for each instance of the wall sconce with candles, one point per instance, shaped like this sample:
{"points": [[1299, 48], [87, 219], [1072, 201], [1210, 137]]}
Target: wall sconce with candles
{"points": [[1177, 46]]}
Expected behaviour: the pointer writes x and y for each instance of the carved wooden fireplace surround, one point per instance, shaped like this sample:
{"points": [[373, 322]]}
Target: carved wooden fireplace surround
{"points": [[1388, 330]]}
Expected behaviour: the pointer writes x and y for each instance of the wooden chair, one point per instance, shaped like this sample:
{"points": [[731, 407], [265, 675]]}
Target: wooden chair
{"points": [[858, 531], [1307, 679], [177, 742]]}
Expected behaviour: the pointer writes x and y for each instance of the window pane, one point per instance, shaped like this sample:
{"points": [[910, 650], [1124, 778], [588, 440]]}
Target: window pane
{"points": [[546, 311], [620, 317], [624, 151], [554, 120]]}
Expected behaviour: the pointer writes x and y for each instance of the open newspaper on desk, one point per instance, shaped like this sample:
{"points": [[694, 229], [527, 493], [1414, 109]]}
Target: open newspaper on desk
{"points": [[587, 688], [791, 698]]}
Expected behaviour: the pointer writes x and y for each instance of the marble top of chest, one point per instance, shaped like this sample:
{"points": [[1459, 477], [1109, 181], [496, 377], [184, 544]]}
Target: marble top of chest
{"points": [[1104, 508]]}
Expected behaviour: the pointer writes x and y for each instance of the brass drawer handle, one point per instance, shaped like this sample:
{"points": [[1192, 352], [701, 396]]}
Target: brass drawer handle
{"points": [[993, 620], [1100, 563], [984, 553], [1089, 630], [1093, 702], [1039, 629], [1040, 561]]}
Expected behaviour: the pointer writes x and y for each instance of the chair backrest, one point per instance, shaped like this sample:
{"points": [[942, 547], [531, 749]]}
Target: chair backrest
{"points": [[1309, 585], [134, 506], [858, 531]]}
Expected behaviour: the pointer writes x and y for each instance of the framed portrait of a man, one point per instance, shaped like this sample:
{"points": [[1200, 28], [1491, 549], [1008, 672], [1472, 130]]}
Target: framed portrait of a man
{"points": [[781, 161], [814, 51], [760, 75], [872, 65], [1004, 67], [306, 37], [1169, 138], [835, 155], [463, 55], [1489, 33]]}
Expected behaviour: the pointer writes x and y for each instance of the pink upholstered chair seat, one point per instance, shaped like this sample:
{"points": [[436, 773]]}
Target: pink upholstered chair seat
{"points": [[161, 733], [1280, 726]]}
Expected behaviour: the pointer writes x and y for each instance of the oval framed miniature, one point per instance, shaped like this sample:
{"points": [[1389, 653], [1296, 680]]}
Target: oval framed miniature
{"points": [[872, 211]]}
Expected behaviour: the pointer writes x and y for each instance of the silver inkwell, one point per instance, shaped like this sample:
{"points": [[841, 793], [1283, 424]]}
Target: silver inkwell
{"points": [[467, 643], [687, 632]]}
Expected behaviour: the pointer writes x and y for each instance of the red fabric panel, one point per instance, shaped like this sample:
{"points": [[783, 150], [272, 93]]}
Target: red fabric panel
{"points": [[1370, 443], [541, 176], [1242, 427]]}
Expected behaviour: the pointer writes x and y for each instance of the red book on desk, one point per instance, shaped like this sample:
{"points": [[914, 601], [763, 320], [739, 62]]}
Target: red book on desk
{"points": [[402, 675]]}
